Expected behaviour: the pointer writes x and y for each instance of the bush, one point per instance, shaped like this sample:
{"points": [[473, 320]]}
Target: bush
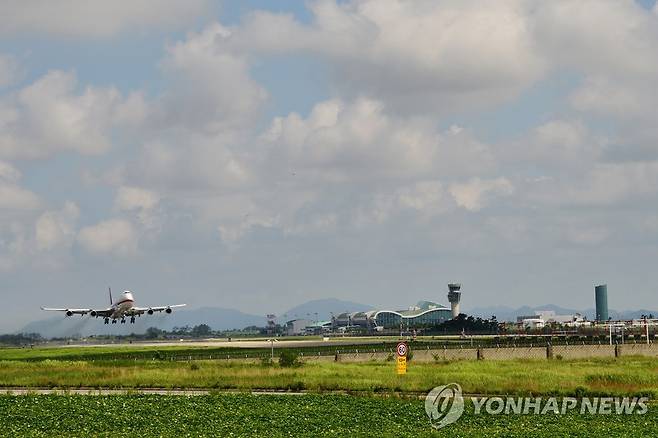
{"points": [[289, 359], [266, 361], [194, 366]]}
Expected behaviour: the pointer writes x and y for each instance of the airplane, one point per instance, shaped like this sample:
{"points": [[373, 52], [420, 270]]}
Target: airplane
{"points": [[118, 310]]}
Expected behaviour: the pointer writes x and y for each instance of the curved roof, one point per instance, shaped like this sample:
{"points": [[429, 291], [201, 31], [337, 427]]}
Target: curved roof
{"points": [[408, 314]]}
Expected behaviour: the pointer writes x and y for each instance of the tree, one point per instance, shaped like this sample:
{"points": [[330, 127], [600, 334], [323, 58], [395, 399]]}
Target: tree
{"points": [[201, 330], [153, 333]]}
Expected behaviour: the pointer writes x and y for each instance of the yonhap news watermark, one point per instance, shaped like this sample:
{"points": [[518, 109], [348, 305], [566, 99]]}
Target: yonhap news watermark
{"points": [[444, 405]]}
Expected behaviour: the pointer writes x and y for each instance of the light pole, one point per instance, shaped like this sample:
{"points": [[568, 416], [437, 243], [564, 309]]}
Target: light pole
{"points": [[272, 341]]}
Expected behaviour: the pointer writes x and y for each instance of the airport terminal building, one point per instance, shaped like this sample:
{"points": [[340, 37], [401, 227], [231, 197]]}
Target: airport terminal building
{"points": [[422, 315]]}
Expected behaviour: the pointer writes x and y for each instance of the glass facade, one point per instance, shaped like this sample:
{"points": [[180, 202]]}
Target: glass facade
{"points": [[426, 318]]}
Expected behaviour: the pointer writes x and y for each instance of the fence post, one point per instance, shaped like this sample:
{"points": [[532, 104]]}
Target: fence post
{"points": [[480, 354], [549, 351], [617, 350]]}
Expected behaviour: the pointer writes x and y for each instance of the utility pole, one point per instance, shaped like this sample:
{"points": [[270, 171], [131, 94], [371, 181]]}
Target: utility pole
{"points": [[622, 333]]}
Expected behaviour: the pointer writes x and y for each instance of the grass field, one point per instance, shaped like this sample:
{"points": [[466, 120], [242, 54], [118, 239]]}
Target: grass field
{"points": [[623, 376], [254, 348], [223, 351], [380, 403], [268, 416]]}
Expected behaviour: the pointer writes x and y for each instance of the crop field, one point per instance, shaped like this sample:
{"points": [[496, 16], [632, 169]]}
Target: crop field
{"points": [[276, 415], [623, 376], [373, 400]]}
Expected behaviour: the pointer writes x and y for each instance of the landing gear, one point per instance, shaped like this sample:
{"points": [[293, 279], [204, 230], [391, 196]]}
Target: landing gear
{"points": [[132, 320], [114, 321], [107, 320], [123, 320]]}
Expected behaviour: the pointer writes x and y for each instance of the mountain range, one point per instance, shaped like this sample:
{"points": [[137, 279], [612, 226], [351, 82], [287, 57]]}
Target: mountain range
{"points": [[226, 319], [216, 317]]}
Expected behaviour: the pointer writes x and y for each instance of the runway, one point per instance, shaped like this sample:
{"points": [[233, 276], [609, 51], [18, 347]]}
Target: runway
{"points": [[255, 343]]}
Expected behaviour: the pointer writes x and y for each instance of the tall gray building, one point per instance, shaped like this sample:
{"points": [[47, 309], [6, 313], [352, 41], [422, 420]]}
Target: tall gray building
{"points": [[601, 296]]}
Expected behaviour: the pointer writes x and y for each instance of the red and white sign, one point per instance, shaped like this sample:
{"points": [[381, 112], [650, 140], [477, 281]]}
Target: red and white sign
{"points": [[401, 349]]}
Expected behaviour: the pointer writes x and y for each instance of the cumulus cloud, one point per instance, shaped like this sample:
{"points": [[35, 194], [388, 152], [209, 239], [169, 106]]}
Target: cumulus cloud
{"points": [[626, 100], [142, 203], [209, 87], [359, 141], [476, 193], [417, 55], [84, 18], [556, 147], [36, 236], [622, 42], [49, 116], [57, 228], [135, 198], [424, 200], [14, 198], [114, 237]]}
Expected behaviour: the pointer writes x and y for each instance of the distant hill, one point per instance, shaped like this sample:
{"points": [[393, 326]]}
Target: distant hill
{"points": [[217, 318], [225, 319], [504, 313], [324, 308]]}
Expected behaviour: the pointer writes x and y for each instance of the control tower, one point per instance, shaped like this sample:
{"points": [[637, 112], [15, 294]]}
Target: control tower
{"points": [[454, 295]]}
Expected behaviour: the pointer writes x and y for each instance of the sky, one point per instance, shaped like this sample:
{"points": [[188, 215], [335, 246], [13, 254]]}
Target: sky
{"points": [[256, 155]]}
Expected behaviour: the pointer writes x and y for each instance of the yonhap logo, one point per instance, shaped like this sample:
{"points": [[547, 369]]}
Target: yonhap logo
{"points": [[444, 405]]}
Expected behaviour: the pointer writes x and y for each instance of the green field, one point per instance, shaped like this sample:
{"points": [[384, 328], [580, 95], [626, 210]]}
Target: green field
{"points": [[187, 351], [379, 403], [265, 416], [224, 350], [623, 376]]}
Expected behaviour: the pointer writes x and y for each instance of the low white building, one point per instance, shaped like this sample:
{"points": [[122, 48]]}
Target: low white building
{"points": [[549, 317], [297, 327], [533, 323]]}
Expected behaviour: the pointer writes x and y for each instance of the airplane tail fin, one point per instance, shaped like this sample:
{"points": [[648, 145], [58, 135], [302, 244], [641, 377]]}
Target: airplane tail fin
{"points": [[109, 289]]}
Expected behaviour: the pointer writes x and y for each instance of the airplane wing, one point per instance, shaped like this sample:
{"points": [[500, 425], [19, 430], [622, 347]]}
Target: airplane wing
{"points": [[152, 310], [71, 312]]}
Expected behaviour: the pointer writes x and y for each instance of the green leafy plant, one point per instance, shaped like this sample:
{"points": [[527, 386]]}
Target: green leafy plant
{"points": [[289, 359]]}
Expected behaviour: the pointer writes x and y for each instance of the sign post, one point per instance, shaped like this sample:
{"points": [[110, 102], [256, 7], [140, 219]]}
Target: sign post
{"points": [[401, 353]]}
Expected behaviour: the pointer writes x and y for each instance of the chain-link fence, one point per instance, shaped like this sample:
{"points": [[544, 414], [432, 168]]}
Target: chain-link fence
{"points": [[557, 352]]}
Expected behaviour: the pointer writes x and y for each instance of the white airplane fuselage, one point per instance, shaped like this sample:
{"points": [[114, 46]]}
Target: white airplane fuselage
{"points": [[123, 305]]}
